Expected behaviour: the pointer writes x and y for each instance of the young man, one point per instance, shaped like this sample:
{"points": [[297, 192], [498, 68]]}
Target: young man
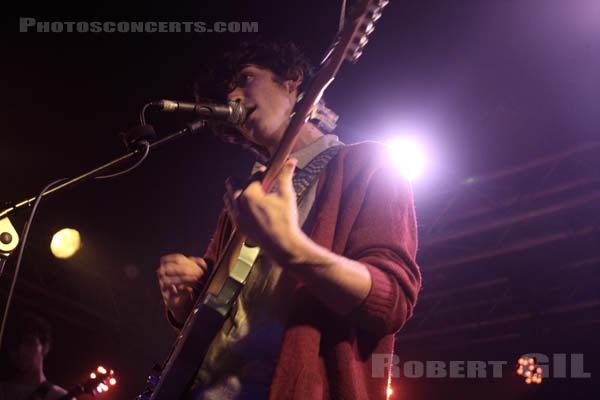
{"points": [[27, 345], [337, 277]]}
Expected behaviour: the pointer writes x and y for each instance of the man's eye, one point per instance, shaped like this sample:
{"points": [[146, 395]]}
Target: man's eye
{"points": [[245, 78], [240, 80]]}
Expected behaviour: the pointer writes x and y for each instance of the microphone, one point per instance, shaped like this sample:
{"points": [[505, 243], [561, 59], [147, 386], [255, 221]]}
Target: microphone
{"points": [[233, 113]]}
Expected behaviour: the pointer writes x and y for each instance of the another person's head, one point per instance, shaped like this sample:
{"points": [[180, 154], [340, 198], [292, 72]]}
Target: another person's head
{"points": [[266, 77], [27, 343]]}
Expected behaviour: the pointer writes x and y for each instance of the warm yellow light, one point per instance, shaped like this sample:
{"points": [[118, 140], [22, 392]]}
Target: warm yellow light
{"points": [[101, 369], [65, 243]]}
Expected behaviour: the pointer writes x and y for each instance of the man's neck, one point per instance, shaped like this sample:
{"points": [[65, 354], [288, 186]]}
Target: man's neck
{"points": [[308, 134]]}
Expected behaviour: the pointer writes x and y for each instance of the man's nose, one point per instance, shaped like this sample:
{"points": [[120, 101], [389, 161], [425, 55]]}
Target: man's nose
{"points": [[236, 94]]}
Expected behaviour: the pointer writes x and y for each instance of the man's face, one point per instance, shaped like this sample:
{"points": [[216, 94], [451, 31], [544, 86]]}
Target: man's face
{"points": [[269, 104], [28, 356]]}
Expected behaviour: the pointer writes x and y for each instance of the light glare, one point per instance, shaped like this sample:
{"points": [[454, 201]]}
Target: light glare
{"points": [[65, 243], [408, 156]]}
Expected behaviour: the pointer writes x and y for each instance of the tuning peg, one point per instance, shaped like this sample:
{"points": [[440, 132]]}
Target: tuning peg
{"points": [[367, 28], [361, 41], [377, 4], [354, 54], [375, 14]]}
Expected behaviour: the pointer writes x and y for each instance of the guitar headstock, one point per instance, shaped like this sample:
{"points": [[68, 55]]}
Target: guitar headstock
{"points": [[366, 15], [100, 380], [348, 45], [353, 38]]}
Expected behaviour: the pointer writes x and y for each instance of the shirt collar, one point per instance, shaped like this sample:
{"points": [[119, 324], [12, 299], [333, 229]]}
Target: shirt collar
{"points": [[307, 153]]}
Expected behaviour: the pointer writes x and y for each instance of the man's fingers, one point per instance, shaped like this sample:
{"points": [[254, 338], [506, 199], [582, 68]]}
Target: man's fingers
{"points": [[253, 191], [284, 179], [170, 269], [175, 257], [200, 262]]}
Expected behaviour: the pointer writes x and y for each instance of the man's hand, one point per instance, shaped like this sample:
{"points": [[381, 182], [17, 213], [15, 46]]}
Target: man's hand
{"points": [[178, 277], [269, 220]]}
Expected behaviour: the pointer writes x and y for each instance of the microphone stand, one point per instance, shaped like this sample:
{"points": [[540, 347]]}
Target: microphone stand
{"points": [[9, 239]]}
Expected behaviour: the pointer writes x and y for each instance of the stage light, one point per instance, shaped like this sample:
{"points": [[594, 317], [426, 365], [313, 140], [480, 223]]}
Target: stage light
{"points": [[65, 243], [529, 370], [389, 392], [408, 156]]}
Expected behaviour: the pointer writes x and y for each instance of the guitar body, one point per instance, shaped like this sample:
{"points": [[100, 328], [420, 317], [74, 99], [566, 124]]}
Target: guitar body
{"points": [[182, 365], [203, 324]]}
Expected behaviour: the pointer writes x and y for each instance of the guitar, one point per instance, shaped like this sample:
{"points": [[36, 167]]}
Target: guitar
{"points": [[172, 380], [100, 381]]}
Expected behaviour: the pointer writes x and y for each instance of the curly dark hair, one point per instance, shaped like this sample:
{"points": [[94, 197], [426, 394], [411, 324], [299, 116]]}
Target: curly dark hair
{"points": [[219, 78]]}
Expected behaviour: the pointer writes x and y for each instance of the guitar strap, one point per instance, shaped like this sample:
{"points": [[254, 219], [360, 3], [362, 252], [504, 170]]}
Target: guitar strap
{"points": [[304, 177]]}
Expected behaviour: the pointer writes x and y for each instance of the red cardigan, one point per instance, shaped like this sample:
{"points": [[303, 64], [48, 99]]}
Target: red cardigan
{"points": [[364, 211]]}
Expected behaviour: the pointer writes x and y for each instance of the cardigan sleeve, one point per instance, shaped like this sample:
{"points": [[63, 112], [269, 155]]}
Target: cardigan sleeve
{"points": [[218, 240], [384, 238]]}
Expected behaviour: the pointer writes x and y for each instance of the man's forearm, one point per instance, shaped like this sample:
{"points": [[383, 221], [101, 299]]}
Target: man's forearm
{"points": [[339, 282]]}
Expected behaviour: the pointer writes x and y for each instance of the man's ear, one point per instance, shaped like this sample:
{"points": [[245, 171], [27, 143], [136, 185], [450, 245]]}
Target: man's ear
{"points": [[296, 78]]}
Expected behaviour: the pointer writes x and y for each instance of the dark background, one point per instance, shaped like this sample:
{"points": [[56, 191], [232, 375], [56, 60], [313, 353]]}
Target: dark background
{"points": [[503, 93]]}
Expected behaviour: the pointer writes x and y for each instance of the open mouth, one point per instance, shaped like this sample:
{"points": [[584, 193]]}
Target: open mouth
{"points": [[249, 112]]}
